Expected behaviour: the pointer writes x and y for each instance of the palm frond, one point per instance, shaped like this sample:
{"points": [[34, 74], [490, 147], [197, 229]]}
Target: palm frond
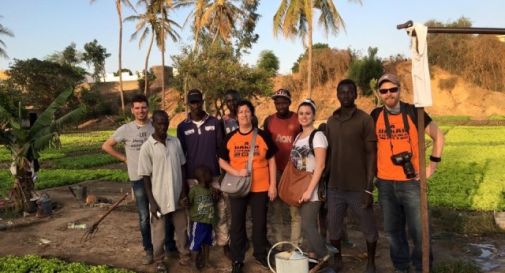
{"points": [[279, 17], [43, 142], [330, 18], [8, 118], [6, 31], [72, 116], [128, 4]]}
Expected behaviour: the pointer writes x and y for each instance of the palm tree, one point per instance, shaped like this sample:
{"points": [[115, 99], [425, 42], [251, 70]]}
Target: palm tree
{"points": [[145, 26], [217, 17], [295, 18], [164, 27], [119, 10], [4, 31]]}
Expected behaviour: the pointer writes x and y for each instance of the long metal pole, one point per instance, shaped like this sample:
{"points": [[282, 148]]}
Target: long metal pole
{"points": [[422, 153], [457, 30]]}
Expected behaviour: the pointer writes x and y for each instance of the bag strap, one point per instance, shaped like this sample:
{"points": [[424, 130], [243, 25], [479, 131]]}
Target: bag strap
{"points": [[311, 140], [251, 151]]}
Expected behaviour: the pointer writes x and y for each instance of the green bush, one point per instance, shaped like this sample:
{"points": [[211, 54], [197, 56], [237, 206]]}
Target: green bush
{"points": [[95, 103], [31, 263], [364, 69]]}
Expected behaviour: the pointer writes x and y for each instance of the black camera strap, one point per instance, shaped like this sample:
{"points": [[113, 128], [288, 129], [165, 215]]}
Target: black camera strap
{"points": [[406, 125]]}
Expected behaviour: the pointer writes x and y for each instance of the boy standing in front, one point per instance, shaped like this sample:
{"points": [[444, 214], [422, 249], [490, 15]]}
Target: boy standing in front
{"points": [[202, 215]]}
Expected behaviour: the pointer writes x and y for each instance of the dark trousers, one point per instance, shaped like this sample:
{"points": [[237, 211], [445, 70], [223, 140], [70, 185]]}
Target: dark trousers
{"points": [[338, 202], [312, 239], [145, 227], [258, 201], [400, 204]]}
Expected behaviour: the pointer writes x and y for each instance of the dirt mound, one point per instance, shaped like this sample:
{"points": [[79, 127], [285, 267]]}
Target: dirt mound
{"points": [[452, 95]]}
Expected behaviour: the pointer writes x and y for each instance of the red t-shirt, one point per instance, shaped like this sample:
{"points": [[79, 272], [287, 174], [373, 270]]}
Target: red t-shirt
{"points": [[283, 132]]}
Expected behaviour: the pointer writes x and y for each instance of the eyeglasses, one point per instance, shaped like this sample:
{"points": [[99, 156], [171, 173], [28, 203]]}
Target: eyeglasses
{"points": [[390, 90]]}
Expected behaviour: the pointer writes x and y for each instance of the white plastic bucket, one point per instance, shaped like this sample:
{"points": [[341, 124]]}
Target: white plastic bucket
{"points": [[289, 262]]}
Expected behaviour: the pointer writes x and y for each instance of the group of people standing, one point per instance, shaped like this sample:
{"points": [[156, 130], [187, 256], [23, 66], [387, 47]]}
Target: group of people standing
{"points": [[354, 149]]}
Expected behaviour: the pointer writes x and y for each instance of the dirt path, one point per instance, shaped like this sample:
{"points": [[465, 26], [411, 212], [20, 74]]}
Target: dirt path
{"points": [[118, 242]]}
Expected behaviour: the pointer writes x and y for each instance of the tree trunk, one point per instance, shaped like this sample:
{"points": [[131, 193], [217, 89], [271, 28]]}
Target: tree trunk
{"points": [[163, 71], [22, 191], [120, 17], [147, 64], [163, 59], [309, 44]]}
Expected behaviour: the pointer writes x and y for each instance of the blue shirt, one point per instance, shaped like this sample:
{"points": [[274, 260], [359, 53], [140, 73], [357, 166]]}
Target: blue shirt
{"points": [[200, 143]]}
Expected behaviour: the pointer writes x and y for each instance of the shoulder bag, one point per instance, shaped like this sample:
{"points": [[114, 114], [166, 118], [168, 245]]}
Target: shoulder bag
{"points": [[239, 186], [293, 184]]}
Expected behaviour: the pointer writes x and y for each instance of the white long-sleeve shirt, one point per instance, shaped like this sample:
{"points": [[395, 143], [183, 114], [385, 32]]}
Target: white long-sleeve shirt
{"points": [[421, 80]]}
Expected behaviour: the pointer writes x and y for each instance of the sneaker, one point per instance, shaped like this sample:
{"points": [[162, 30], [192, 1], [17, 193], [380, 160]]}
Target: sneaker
{"points": [[237, 267], [148, 259]]}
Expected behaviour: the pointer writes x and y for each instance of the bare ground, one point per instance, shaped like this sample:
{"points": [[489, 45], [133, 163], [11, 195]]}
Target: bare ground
{"points": [[117, 243]]}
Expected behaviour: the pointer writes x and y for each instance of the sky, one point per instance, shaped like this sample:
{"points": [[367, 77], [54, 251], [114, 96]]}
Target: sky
{"points": [[43, 27]]}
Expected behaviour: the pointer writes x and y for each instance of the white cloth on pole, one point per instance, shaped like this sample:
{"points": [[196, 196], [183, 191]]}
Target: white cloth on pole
{"points": [[421, 80]]}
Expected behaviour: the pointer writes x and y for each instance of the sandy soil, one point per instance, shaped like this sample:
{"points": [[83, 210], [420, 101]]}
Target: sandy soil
{"points": [[117, 243]]}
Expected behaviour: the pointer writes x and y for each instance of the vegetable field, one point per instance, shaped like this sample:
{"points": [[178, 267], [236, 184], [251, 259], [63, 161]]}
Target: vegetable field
{"points": [[471, 175], [78, 159], [32, 263]]}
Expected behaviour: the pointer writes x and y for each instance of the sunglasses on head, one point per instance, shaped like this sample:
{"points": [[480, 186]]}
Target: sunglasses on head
{"points": [[390, 90]]}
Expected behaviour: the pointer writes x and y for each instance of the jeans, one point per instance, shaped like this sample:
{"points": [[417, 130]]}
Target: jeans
{"points": [[145, 227], [400, 202]]}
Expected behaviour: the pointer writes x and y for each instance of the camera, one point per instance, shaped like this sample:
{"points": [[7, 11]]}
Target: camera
{"points": [[403, 159]]}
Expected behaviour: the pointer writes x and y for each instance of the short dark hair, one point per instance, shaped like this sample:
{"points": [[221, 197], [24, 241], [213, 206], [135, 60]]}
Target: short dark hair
{"points": [[159, 113], [140, 98], [232, 92], [348, 82], [248, 104], [203, 175]]}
